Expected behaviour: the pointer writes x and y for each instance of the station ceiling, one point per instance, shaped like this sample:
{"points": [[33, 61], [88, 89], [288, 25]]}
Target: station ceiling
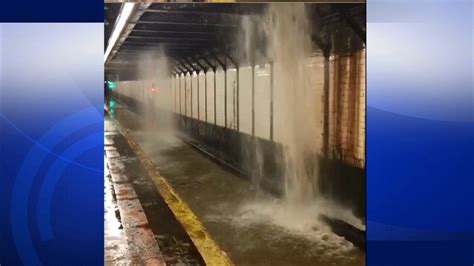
{"points": [[199, 35]]}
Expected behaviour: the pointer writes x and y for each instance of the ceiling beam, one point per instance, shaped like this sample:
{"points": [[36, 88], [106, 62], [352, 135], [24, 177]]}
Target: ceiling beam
{"points": [[181, 23], [169, 38], [174, 32]]}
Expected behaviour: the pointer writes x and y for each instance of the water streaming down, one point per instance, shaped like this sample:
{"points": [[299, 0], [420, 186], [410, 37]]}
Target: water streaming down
{"points": [[157, 98], [289, 44], [280, 223], [298, 126]]}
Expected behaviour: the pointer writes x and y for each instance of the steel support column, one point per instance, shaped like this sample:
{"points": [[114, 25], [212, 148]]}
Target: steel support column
{"points": [[225, 98], [271, 98], [326, 108], [238, 95], [253, 99]]}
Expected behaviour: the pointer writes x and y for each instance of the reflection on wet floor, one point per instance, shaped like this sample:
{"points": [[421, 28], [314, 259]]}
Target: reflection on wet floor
{"points": [[115, 242], [251, 226]]}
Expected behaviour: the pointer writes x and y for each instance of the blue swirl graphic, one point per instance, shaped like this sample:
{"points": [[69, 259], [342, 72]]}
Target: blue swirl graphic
{"points": [[29, 169], [52, 178]]}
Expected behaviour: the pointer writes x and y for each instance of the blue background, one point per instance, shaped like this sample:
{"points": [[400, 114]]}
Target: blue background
{"points": [[51, 146], [420, 133], [420, 128]]}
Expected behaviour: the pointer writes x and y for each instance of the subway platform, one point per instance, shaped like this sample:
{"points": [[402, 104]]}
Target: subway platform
{"points": [[183, 208]]}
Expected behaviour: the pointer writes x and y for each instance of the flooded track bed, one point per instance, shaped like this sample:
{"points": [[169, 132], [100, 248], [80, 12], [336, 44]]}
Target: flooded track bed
{"points": [[251, 226]]}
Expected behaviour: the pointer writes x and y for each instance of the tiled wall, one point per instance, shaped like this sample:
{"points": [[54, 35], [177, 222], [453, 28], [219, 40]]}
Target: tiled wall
{"points": [[347, 108], [346, 101]]}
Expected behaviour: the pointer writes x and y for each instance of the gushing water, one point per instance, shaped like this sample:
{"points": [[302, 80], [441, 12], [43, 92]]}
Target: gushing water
{"points": [[154, 92], [298, 126], [289, 43]]}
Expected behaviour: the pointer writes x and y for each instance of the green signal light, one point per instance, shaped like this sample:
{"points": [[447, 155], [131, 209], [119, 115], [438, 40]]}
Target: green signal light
{"points": [[111, 85], [112, 104]]}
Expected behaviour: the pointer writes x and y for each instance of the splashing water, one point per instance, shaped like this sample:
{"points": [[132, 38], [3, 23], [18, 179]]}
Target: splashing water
{"points": [[297, 127], [288, 32]]}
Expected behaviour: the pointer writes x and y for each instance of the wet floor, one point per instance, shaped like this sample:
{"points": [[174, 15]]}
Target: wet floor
{"points": [[116, 249], [251, 226], [128, 247]]}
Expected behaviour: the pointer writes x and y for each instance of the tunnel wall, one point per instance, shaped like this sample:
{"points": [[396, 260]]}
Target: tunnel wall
{"points": [[232, 120], [347, 108]]}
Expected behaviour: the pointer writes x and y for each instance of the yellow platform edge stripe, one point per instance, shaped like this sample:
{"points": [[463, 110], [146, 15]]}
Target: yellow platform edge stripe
{"points": [[210, 251]]}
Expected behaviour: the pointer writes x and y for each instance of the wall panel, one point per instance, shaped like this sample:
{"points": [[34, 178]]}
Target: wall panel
{"points": [[195, 96], [210, 97], [220, 98], [232, 115], [262, 101], [202, 96], [245, 100]]}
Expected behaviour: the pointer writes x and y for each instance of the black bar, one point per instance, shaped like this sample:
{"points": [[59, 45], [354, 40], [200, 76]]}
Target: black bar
{"points": [[169, 38], [180, 107], [198, 63], [271, 100], [215, 99], [190, 64], [205, 93], [253, 100], [326, 108], [218, 60], [180, 69], [357, 29], [238, 93], [190, 70], [198, 95], [180, 23], [225, 97], [208, 63], [157, 44], [186, 12], [185, 98], [173, 83], [175, 31], [230, 59], [191, 87]]}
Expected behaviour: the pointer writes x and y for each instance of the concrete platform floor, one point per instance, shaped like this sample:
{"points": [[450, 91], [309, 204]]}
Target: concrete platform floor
{"points": [[139, 228], [250, 225]]}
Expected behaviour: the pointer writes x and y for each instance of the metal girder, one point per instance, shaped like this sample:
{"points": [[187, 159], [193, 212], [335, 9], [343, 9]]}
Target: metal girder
{"points": [[169, 38], [180, 23], [208, 63], [222, 64], [198, 63], [175, 31], [234, 62], [186, 16], [185, 64], [189, 70], [191, 65], [187, 12], [325, 47], [141, 48], [178, 66], [178, 71], [173, 71], [165, 43], [353, 24]]}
